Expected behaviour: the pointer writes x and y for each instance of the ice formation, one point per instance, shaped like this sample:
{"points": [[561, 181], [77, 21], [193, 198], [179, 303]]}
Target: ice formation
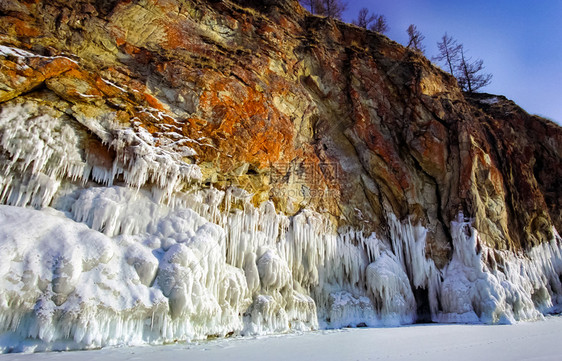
{"points": [[130, 251], [42, 148], [505, 289]]}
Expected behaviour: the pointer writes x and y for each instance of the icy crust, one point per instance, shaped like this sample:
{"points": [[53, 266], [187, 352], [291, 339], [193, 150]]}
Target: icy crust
{"points": [[42, 148]]}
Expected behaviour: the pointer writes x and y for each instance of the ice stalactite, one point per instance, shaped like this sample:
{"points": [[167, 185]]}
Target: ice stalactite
{"points": [[38, 151], [157, 281], [391, 289], [140, 161], [41, 147], [153, 272]]}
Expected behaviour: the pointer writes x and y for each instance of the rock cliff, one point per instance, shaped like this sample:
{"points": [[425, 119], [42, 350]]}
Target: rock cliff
{"points": [[245, 167]]}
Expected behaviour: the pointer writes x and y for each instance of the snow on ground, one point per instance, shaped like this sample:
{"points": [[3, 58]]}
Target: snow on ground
{"points": [[523, 341]]}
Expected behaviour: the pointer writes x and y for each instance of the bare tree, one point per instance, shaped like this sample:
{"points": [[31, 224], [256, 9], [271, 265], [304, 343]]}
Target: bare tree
{"points": [[380, 24], [416, 38], [364, 19], [333, 8], [373, 22], [315, 6], [329, 8], [470, 77], [449, 51]]}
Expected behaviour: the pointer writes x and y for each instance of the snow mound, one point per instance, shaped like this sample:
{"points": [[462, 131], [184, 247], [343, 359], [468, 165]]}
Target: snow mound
{"points": [[64, 281]]}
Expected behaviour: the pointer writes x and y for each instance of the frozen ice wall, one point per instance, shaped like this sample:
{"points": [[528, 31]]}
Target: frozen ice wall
{"points": [[134, 251]]}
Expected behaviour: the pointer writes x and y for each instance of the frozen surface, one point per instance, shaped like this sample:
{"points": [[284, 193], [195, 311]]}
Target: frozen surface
{"points": [[523, 341]]}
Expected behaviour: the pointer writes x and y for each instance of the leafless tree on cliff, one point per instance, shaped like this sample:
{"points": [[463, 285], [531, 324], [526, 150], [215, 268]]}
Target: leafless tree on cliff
{"points": [[364, 19], [315, 6], [372, 22], [329, 8], [449, 52], [380, 25], [470, 77], [333, 8], [416, 38]]}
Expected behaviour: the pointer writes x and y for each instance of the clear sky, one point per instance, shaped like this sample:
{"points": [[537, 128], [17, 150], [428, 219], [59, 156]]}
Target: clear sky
{"points": [[520, 41]]}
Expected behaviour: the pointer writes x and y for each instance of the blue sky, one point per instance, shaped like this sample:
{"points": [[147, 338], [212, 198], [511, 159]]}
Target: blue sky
{"points": [[519, 41]]}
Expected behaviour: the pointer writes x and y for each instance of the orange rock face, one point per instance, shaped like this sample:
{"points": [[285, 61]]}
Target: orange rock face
{"points": [[304, 111]]}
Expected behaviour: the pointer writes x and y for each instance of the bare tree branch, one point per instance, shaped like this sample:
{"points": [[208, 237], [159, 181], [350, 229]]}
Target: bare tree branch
{"points": [[333, 8], [364, 19], [314, 6], [449, 51], [380, 24], [372, 22], [416, 38], [469, 78]]}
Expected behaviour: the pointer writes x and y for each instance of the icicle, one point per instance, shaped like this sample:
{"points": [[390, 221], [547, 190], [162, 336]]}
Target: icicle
{"points": [[40, 142]]}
